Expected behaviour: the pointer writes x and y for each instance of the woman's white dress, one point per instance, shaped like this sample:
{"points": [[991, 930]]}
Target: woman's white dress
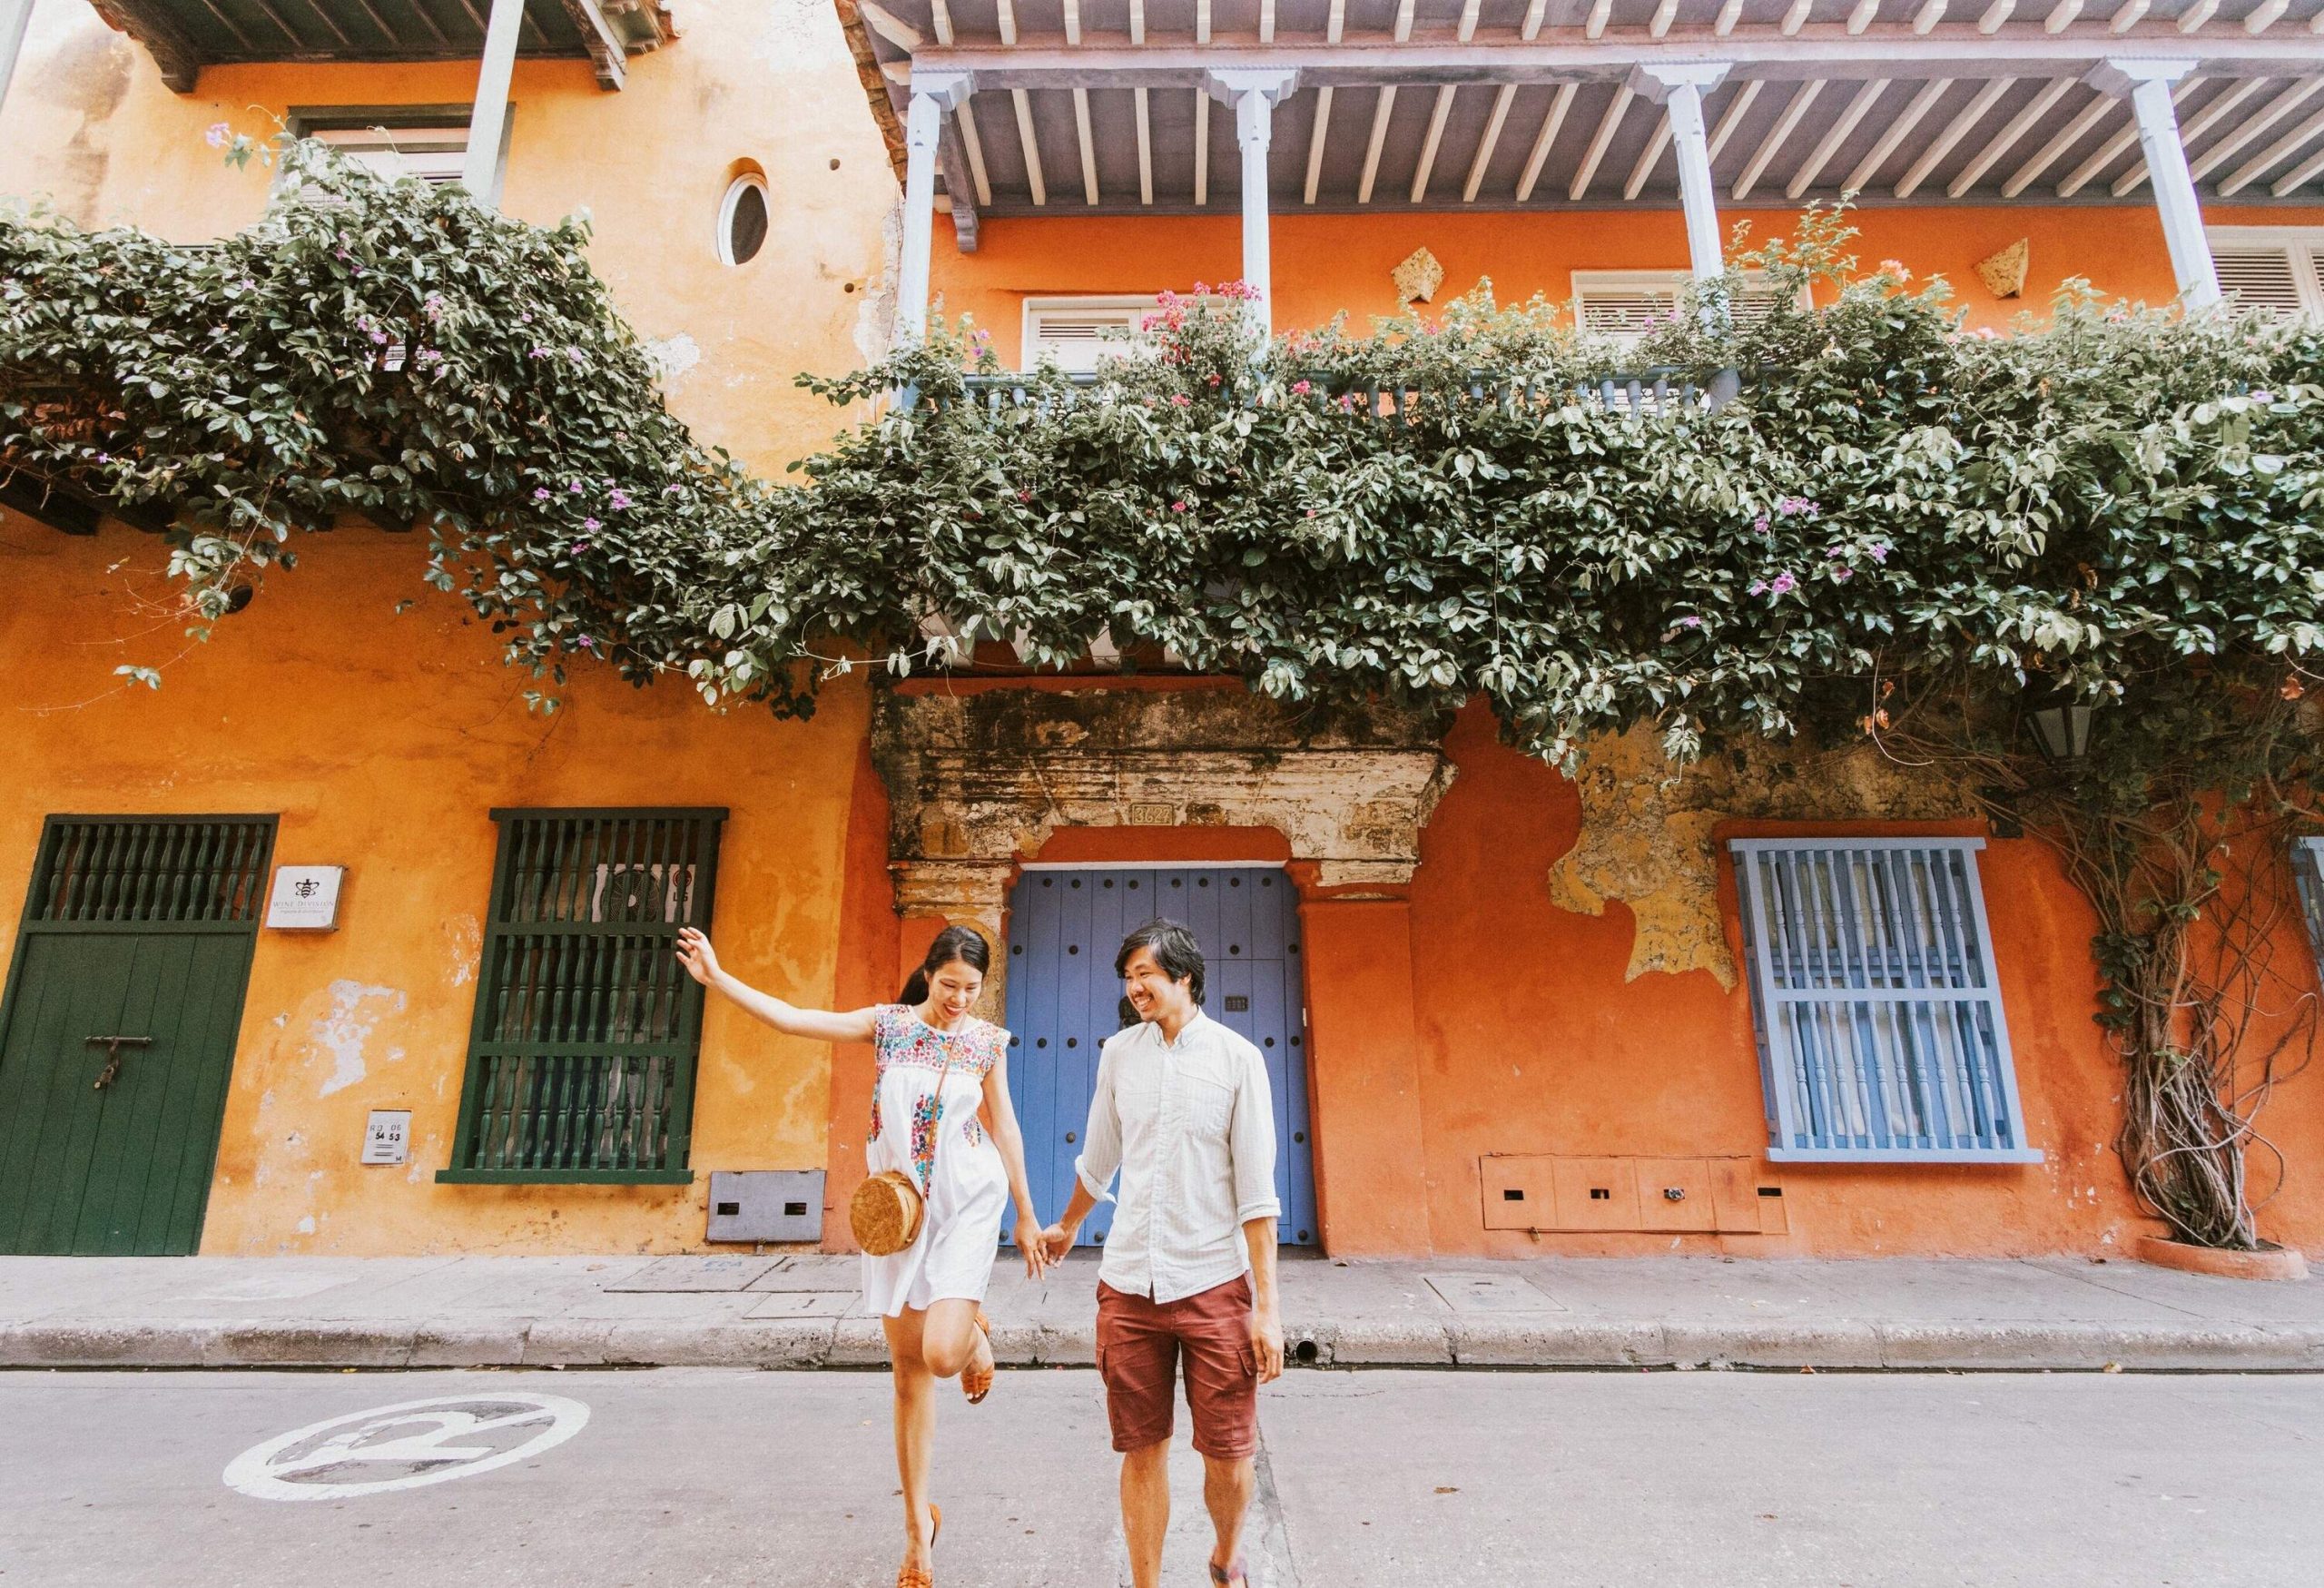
{"points": [[937, 1141]]}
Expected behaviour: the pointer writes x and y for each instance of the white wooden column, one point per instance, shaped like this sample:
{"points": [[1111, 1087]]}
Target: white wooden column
{"points": [[13, 15], [1254, 94], [1681, 86], [488, 117], [933, 92], [2146, 84]]}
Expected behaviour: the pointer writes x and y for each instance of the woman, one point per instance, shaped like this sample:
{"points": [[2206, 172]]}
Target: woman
{"points": [[937, 1062]]}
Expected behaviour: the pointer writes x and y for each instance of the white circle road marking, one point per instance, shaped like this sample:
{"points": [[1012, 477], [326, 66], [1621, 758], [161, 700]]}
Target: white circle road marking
{"points": [[443, 1440]]}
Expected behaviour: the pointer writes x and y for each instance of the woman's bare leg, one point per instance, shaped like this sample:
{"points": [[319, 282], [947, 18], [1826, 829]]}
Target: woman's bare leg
{"points": [[950, 1340], [915, 1428]]}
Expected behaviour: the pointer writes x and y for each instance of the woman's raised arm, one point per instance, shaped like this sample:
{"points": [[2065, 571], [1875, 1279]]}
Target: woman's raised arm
{"points": [[701, 961]]}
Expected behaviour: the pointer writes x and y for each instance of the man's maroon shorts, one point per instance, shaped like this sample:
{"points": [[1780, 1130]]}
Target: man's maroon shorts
{"points": [[1139, 1345]]}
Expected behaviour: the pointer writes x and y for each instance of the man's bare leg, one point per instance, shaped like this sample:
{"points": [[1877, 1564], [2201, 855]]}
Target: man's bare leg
{"points": [[1146, 1510], [1227, 1490]]}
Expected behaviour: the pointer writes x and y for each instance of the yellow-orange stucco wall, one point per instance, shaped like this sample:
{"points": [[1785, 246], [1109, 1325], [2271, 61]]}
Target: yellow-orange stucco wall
{"points": [[89, 128], [383, 738]]}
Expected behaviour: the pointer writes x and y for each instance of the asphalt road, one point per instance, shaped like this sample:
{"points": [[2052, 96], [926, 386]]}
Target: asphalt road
{"points": [[724, 1477]]}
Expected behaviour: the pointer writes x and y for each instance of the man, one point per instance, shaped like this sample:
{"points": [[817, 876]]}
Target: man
{"points": [[1183, 1110]]}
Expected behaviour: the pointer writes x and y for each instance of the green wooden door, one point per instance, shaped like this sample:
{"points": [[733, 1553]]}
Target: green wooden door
{"points": [[139, 929]]}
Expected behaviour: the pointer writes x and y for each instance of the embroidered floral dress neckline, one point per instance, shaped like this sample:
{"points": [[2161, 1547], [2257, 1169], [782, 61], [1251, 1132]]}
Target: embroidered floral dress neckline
{"points": [[966, 1023]]}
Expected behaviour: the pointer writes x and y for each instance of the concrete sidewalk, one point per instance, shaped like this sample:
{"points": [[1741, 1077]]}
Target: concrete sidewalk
{"points": [[802, 1310]]}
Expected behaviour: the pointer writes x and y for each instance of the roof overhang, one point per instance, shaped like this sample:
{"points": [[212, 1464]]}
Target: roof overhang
{"points": [[1105, 107], [185, 35]]}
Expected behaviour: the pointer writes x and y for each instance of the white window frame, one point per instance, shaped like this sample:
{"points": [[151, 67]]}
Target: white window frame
{"points": [[2307, 878], [727, 208], [432, 130], [1135, 306], [2304, 245], [1877, 1009], [1673, 281]]}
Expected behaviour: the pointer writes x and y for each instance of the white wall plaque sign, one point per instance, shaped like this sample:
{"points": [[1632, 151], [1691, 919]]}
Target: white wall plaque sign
{"points": [[387, 1136], [305, 898]]}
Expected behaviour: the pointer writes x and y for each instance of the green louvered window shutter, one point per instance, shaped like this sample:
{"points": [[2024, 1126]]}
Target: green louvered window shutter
{"points": [[581, 1059]]}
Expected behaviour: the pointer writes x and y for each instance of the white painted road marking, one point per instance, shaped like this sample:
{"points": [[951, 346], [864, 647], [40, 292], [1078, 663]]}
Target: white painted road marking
{"points": [[450, 1437]]}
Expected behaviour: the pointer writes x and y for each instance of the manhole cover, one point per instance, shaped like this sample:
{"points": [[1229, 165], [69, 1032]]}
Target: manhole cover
{"points": [[404, 1446]]}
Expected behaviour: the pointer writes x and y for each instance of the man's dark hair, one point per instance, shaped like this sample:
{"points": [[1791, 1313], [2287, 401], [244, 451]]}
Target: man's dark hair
{"points": [[1174, 948]]}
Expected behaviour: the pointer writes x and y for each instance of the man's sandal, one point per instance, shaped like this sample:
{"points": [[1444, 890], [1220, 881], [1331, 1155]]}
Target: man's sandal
{"points": [[910, 1576], [1225, 1575], [974, 1384]]}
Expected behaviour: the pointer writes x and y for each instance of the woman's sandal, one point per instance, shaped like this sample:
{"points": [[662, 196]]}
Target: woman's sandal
{"points": [[976, 1386], [1226, 1575], [910, 1576]]}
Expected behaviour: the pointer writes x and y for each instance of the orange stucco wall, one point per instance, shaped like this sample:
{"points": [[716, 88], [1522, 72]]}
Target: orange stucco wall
{"points": [[383, 737], [1329, 264]]}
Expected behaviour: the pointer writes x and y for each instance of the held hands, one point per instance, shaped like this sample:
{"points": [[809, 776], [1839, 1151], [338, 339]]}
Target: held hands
{"points": [[1032, 1245], [1057, 1242], [1266, 1344], [699, 960]]}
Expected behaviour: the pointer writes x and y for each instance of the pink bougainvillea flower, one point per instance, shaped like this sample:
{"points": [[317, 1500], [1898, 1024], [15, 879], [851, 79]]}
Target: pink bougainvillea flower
{"points": [[1301, 387], [1758, 587], [591, 524], [1843, 575], [1783, 585], [1879, 550], [585, 643], [540, 494], [1177, 507], [1760, 525], [1691, 623]]}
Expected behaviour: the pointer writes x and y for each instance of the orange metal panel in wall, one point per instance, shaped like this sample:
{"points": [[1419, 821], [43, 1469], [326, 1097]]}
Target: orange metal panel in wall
{"points": [[1595, 1193], [1518, 1193], [1675, 1194]]}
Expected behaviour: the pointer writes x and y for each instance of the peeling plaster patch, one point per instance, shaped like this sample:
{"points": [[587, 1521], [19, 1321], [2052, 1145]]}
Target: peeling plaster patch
{"points": [[1646, 826], [306, 1225], [355, 1009], [466, 936], [672, 357]]}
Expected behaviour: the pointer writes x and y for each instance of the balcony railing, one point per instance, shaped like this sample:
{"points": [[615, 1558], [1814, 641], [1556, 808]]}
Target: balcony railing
{"points": [[1647, 393]]}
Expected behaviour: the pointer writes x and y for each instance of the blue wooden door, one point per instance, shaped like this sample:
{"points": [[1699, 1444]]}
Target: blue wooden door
{"points": [[1063, 1001]]}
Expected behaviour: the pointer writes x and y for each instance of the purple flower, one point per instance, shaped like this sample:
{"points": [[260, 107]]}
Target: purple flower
{"points": [[580, 546], [591, 524], [1784, 584], [1691, 623], [1879, 550], [620, 499], [541, 494], [1758, 587], [575, 487], [540, 353], [673, 491], [2263, 396], [1759, 525], [216, 134], [585, 643], [1792, 507], [1843, 575], [574, 354]]}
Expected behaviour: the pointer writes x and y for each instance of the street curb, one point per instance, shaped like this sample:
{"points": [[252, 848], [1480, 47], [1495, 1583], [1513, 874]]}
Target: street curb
{"points": [[1518, 1340]]}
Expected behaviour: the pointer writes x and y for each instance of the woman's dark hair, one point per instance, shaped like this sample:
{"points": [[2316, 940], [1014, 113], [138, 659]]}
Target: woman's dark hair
{"points": [[1174, 948], [964, 943]]}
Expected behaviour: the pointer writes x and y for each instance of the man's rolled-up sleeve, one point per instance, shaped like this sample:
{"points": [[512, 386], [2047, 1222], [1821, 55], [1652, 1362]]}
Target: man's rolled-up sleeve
{"points": [[1252, 1142], [1101, 1137]]}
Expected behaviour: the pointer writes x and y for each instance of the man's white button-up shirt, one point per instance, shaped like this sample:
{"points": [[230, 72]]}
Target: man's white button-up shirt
{"points": [[1190, 1126]]}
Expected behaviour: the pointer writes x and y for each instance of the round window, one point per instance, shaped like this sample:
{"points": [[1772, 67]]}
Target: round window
{"points": [[743, 220]]}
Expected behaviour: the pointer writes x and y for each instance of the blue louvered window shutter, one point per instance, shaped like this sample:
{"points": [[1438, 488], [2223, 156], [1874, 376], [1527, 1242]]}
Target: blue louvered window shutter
{"points": [[2307, 872], [1880, 1020]]}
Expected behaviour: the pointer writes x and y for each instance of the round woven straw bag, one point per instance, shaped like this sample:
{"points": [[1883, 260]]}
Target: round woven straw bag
{"points": [[885, 1213]]}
